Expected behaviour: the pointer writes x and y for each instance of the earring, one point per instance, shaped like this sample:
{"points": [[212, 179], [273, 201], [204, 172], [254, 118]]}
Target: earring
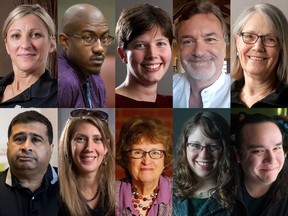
{"points": [[104, 162], [237, 54]]}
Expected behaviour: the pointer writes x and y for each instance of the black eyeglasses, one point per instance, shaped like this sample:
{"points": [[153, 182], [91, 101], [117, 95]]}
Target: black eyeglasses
{"points": [[139, 153], [266, 40], [86, 112], [89, 39], [195, 147]]}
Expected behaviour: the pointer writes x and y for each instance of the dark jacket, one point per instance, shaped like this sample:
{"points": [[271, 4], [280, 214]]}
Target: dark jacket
{"points": [[210, 208]]}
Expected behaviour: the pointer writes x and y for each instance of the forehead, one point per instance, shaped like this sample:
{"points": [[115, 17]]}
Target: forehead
{"points": [[30, 20], [85, 127], [264, 134], [32, 127], [197, 134], [145, 145], [258, 23], [204, 23], [153, 34]]}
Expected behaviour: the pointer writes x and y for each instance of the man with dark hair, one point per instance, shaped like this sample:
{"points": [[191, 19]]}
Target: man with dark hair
{"points": [[263, 181], [201, 34], [30, 185]]}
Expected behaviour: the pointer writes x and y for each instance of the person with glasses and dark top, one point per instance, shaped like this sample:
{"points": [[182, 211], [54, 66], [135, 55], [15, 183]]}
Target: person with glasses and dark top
{"points": [[202, 167], [144, 152], [85, 38], [259, 57], [86, 165]]}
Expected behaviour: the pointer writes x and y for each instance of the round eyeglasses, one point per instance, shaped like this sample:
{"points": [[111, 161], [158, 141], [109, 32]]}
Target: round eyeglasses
{"points": [[138, 153], [195, 147], [89, 39], [266, 40]]}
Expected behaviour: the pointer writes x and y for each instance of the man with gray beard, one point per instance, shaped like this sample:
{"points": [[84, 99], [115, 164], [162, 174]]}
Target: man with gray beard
{"points": [[202, 36]]}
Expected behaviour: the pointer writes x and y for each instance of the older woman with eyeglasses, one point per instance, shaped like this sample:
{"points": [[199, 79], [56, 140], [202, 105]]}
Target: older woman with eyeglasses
{"points": [[259, 58], [202, 167], [86, 165], [144, 151]]}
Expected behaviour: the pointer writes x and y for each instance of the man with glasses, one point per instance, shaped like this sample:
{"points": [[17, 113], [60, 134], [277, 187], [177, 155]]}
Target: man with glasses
{"points": [[263, 181], [202, 37], [85, 38]]}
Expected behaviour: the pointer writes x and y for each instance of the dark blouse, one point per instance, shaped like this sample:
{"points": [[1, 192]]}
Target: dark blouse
{"points": [[276, 99]]}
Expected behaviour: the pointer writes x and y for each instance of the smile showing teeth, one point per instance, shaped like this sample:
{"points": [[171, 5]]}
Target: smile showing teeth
{"points": [[204, 163], [152, 66], [256, 58], [88, 157]]}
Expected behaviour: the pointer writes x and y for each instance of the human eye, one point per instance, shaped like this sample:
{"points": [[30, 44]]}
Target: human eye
{"points": [[19, 139], [36, 35], [249, 36], [155, 152], [257, 151], [36, 140], [210, 40], [139, 46], [270, 39], [214, 147], [97, 139], [80, 139], [187, 41], [88, 38], [15, 36], [104, 38], [161, 44], [276, 148], [194, 146]]}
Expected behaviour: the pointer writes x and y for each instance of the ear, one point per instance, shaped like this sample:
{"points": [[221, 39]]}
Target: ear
{"points": [[237, 154], [7, 48], [53, 44], [63, 39], [122, 55]]}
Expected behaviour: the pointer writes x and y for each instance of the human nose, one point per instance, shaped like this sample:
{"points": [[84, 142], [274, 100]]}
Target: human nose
{"points": [[151, 52], [258, 45], [204, 153], [269, 156], [146, 158], [89, 145], [27, 145], [25, 42], [97, 46], [198, 49]]}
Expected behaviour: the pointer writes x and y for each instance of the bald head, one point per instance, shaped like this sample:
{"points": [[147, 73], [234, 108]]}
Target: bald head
{"points": [[80, 15]]}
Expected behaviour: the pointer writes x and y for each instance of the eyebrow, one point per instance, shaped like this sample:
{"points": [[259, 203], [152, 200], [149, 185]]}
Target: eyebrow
{"points": [[30, 134], [254, 146]]}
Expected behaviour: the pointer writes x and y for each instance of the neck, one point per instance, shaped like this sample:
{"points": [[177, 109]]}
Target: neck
{"points": [[255, 90], [204, 187], [133, 89], [145, 188], [30, 180], [256, 190]]}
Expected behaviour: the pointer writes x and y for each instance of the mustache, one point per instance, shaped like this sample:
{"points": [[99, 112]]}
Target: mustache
{"points": [[98, 57], [201, 58]]}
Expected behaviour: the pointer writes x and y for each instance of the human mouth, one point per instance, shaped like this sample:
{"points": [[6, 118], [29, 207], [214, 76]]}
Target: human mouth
{"points": [[88, 158], [25, 158], [146, 169], [152, 67], [204, 164], [97, 59], [255, 58]]}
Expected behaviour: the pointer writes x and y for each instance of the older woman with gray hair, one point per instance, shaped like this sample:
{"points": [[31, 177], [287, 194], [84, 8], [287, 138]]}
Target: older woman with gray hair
{"points": [[259, 58]]}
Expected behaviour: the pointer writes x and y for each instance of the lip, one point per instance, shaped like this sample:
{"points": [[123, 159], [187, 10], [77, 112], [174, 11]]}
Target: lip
{"points": [[26, 54], [146, 169], [88, 158], [205, 164], [152, 67], [257, 58], [25, 158]]}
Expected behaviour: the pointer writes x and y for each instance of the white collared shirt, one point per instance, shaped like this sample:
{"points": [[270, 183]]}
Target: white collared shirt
{"points": [[216, 95]]}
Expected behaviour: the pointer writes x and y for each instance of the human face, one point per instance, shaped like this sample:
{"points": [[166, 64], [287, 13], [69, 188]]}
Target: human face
{"points": [[148, 57], [29, 148], [261, 156], [204, 164], [29, 44], [146, 170], [257, 59], [88, 150], [202, 47], [88, 58]]}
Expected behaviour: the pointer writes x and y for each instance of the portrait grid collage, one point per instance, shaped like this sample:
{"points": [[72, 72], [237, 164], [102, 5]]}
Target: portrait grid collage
{"points": [[144, 108]]}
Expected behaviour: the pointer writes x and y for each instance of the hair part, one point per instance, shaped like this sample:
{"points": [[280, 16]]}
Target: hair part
{"points": [[279, 24], [30, 117], [139, 19], [27, 9]]}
